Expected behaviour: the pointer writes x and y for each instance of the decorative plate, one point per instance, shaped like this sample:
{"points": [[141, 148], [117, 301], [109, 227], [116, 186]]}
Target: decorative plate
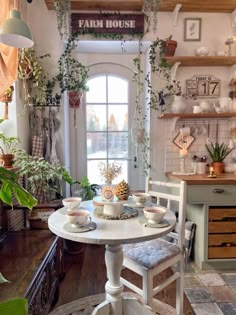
{"points": [[127, 213]]}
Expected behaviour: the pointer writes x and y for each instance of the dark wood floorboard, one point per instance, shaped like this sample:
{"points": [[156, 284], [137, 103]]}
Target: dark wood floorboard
{"points": [[85, 275]]}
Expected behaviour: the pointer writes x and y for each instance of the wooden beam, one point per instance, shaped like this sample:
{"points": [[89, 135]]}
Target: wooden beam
{"points": [[221, 6]]}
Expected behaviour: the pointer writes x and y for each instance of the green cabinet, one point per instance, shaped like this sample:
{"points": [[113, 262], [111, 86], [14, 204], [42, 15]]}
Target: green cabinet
{"points": [[213, 209]]}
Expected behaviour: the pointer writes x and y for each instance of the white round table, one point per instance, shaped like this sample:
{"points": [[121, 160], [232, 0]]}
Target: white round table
{"points": [[113, 233]]}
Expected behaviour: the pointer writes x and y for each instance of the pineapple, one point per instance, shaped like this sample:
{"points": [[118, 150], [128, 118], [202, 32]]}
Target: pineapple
{"points": [[122, 190]]}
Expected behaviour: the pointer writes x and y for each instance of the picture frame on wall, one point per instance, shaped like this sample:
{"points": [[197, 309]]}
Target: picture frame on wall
{"points": [[192, 29]]}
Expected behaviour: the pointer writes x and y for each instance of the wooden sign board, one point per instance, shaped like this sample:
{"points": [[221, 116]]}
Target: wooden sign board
{"points": [[107, 23]]}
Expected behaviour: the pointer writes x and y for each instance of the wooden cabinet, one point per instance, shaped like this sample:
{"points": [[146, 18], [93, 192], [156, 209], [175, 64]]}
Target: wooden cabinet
{"points": [[222, 232], [33, 262]]}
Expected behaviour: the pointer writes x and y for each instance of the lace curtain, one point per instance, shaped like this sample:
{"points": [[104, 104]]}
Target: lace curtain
{"points": [[8, 55]]}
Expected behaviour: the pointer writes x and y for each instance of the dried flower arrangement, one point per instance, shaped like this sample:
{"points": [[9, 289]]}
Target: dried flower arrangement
{"points": [[110, 171]]}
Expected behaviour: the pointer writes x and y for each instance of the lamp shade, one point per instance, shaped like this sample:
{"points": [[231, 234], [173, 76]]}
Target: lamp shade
{"points": [[14, 32]]}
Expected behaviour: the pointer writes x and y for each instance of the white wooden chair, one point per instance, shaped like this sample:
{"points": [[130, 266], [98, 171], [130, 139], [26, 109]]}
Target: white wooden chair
{"points": [[152, 257]]}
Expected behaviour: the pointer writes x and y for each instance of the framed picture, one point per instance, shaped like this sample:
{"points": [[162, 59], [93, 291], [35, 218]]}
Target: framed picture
{"points": [[192, 29], [183, 142]]}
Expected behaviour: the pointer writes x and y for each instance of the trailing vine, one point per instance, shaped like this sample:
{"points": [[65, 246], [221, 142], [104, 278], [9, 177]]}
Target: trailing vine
{"points": [[63, 13]]}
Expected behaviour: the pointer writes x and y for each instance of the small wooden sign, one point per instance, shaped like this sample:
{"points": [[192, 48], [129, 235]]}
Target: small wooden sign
{"points": [[107, 23]]}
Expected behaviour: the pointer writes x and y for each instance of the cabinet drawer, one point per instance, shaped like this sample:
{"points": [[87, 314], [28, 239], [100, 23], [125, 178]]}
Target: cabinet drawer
{"points": [[214, 194], [222, 252], [221, 239], [219, 214], [222, 227]]}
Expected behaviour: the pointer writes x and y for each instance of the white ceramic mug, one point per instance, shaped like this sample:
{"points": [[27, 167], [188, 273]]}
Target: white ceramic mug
{"points": [[79, 218]]}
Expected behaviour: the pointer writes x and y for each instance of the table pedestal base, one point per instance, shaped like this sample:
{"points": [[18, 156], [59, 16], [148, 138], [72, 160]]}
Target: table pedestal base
{"points": [[130, 306]]}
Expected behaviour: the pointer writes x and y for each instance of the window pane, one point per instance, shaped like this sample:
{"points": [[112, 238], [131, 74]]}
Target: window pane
{"points": [[118, 117], [117, 90], [118, 145], [96, 145], [96, 117], [97, 90], [94, 173]]}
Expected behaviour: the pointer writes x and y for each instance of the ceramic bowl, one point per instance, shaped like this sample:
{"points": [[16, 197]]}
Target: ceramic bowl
{"points": [[71, 202], [154, 214], [140, 198]]}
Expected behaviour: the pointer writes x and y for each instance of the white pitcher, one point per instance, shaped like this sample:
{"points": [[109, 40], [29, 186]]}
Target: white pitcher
{"points": [[179, 105]]}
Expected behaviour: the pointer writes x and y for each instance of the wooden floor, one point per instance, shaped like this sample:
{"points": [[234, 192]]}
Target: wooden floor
{"points": [[85, 274]]}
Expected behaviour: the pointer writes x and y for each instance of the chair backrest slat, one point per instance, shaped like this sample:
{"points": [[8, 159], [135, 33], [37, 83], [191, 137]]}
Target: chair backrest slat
{"points": [[169, 192]]}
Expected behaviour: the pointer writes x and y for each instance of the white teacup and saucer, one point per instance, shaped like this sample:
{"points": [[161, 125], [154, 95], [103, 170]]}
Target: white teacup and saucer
{"points": [[79, 221]]}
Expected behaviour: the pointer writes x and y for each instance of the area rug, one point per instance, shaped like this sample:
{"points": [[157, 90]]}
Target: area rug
{"points": [[85, 306]]}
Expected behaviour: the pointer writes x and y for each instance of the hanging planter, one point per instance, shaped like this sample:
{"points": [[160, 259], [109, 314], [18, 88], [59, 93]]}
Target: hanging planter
{"points": [[75, 99]]}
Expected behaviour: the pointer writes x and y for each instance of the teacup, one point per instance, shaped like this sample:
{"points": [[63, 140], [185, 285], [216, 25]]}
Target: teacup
{"points": [[79, 218], [140, 198], [154, 214], [71, 202]]}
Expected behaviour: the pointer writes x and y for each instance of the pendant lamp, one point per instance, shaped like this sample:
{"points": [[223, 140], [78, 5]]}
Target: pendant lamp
{"points": [[14, 32]]}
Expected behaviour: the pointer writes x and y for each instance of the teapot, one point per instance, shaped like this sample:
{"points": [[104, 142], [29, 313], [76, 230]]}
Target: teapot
{"points": [[205, 106]]}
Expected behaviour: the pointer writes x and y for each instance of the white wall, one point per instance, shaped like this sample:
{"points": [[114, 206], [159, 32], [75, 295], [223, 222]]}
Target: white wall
{"points": [[216, 28]]}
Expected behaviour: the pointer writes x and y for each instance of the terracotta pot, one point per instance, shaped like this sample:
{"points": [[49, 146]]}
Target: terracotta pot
{"points": [[218, 167], [170, 47], [7, 160]]}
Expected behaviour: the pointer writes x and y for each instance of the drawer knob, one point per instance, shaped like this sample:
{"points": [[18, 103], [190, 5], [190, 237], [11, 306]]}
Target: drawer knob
{"points": [[218, 190]]}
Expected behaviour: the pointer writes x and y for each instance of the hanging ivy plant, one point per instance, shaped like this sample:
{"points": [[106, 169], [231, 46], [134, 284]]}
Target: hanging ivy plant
{"points": [[73, 75], [150, 9], [63, 13]]}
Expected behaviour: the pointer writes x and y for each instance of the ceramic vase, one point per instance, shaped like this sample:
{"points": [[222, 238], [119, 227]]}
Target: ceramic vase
{"points": [[179, 105]]}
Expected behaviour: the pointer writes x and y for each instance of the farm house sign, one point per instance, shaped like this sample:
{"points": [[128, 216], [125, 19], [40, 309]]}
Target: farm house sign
{"points": [[105, 23]]}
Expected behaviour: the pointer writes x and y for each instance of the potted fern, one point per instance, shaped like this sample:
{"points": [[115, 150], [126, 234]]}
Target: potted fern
{"points": [[218, 152]]}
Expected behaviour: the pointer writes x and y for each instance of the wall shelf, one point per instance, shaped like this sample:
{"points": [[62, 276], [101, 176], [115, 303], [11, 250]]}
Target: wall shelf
{"points": [[205, 61], [199, 115], [226, 6]]}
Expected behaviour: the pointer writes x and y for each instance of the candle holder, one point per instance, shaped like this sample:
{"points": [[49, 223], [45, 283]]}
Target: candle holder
{"points": [[212, 173]]}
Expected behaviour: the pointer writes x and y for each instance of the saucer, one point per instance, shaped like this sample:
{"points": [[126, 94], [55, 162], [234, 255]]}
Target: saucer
{"points": [[164, 223], [76, 229], [138, 205]]}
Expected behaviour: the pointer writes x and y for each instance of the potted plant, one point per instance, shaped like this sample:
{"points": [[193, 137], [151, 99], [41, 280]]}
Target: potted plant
{"points": [[42, 177], [87, 191], [7, 98], [73, 75], [11, 188], [218, 152], [38, 89], [8, 149]]}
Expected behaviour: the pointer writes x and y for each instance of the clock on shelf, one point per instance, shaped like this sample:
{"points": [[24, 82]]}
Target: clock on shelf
{"points": [[203, 86]]}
